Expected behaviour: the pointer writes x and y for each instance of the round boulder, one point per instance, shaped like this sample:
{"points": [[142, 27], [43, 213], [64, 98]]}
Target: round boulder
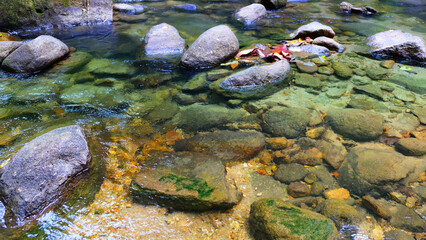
{"points": [[250, 14], [254, 82], [395, 44], [356, 124], [313, 30], [163, 39], [43, 170], [329, 43], [35, 55], [7, 47], [211, 48]]}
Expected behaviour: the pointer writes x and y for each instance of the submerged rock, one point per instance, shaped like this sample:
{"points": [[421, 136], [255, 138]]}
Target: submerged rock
{"points": [[288, 122], [35, 55], [311, 50], [367, 170], [251, 14], [227, 145], [254, 82], [397, 45], [211, 48], [292, 172], [313, 30], [411, 146], [73, 63], [163, 39], [328, 43], [92, 96], [207, 116], [356, 124], [103, 67], [43, 170], [7, 47], [184, 181], [339, 212], [272, 219], [272, 4]]}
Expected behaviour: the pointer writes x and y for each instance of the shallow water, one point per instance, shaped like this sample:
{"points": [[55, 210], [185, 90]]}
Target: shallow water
{"points": [[135, 114]]}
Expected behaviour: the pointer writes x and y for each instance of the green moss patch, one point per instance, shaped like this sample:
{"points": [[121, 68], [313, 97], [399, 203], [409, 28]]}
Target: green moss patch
{"points": [[190, 184]]}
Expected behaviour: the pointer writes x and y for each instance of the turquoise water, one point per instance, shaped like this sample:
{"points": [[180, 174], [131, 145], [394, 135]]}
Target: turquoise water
{"points": [[146, 94]]}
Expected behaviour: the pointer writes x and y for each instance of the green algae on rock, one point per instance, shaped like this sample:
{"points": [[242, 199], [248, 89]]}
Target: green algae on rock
{"points": [[183, 181], [272, 219], [288, 122]]}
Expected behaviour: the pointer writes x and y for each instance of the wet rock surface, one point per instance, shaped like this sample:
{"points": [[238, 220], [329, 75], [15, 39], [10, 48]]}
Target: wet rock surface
{"points": [[288, 122], [184, 181], [356, 124], [208, 116], [329, 43], [220, 42], [227, 145], [275, 219], [35, 55], [366, 170], [163, 39], [411, 146], [43, 170], [313, 30], [254, 82], [397, 45], [251, 14]]}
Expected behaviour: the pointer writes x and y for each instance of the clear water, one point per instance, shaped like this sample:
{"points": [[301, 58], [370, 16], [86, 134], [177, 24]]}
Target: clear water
{"points": [[123, 123]]}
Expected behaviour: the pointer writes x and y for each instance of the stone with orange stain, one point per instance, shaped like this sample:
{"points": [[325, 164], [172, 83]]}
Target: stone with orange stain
{"points": [[276, 143], [340, 193]]}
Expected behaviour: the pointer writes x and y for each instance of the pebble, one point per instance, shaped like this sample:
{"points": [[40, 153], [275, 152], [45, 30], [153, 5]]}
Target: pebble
{"points": [[339, 193], [387, 64]]}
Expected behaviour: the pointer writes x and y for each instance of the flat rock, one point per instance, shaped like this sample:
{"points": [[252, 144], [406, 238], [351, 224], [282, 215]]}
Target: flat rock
{"points": [[411, 146], [163, 39], [208, 116], [329, 43], [211, 48], [128, 8], [43, 170], [251, 14], [313, 30], [398, 235], [298, 189], [376, 207], [183, 181], [227, 145], [333, 153], [368, 170], [254, 82], [35, 55], [272, 219], [397, 45], [355, 123], [7, 47], [287, 122]]}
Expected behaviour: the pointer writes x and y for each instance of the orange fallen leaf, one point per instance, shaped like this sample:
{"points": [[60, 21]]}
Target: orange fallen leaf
{"points": [[234, 64], [260, 171], [323, 116], [335, 174], [407, 135], [347, 94]]}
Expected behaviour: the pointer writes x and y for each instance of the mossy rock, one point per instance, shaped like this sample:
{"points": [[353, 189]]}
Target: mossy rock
{"points": [[273, 219], [183, 181], [342, 70]]}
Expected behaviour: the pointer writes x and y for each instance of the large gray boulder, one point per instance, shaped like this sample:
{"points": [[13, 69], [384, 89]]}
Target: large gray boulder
{"points": [[254, 82], [313, 30], [251, 14], [43, 170], [395, 44], [35, 55], [211, 48], [273, 219], [227, 145], [367, 170], [184, 181], [163, 39], [287, 122], [356, 124], [7, 47]]}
